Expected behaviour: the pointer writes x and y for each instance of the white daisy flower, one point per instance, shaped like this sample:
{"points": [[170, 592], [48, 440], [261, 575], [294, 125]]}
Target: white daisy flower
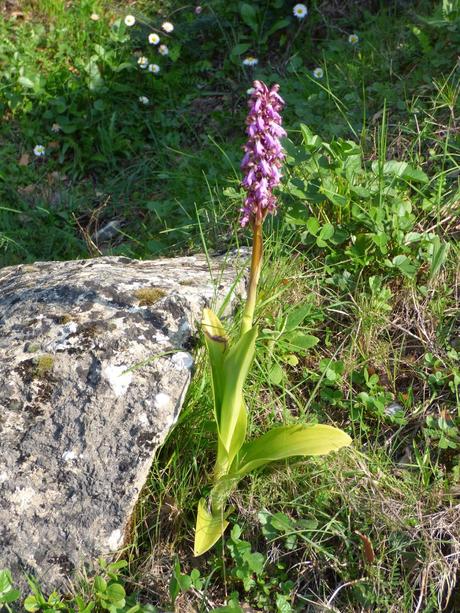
{"points": [[353, 39], [300, 11], [55, 127], [39, 150], [130, 20], [163, 49], [318, 73], [143, 62], [94, 17], [143, 100], [154, 68], [250, 91], [167, 26], [154, 39], [250, 61]]}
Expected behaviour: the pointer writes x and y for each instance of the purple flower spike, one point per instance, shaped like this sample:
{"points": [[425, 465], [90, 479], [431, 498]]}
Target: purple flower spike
{"points": [[263, 154]]}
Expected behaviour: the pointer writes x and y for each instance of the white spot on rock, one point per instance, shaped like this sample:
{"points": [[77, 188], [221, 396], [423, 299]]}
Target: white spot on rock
{"points": [[162, 401], [23, 497], [114, 540], [119, 380], [144, 419], [3, 477], [182, 359], [69, 455]]}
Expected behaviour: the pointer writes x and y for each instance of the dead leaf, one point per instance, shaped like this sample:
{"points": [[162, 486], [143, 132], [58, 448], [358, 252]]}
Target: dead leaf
{"points": [[368, 550], [24, 159], [27, 190], [54, 144]]}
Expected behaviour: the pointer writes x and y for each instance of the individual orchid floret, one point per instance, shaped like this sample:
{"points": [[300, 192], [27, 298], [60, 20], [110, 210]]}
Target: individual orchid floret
{"points": [[154, 39], [263, 155], [353, 39]]}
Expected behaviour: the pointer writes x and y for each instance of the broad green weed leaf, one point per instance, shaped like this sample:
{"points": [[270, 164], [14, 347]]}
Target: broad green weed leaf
{"points": [[276, 374], [439, 255], [282, 23], [209, 528], [248, 14], [288, 441], [298, 340], [401, 170]]}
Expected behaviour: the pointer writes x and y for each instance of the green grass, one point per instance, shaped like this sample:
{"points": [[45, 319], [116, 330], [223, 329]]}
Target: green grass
{"points": [[361, 267]]}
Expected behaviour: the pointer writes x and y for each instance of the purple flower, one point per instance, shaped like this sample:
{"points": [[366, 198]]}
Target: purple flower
{"points": [[263, 154]]}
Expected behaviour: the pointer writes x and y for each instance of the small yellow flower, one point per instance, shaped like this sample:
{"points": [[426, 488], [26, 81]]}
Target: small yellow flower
{"points": [[154, 39], [143, 62], [163, 49], [167, 26], [250, 61], [94, 17], [130, 20], [353, 39]]}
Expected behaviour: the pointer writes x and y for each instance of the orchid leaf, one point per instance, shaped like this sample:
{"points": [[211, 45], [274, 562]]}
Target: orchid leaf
{"points": [[233, 412], [224, 458], [287, 441], [209, 528], [216, 343]]}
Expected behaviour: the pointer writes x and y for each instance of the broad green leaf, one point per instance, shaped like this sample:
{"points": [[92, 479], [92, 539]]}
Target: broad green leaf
{"points": [[233, 413], [282, 23], [248, 14], [239, 49], [402, 170], [299, 340], [287, 441], [276, 374], [313, 225], [405, 265], [224, 457], [297, 316], [439, 255], [115, 592], [209, 528], [216, 343], [10, 596], [31, 604]]}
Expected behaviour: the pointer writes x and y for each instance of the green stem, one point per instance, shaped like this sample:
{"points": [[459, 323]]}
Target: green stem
{"points": [[256, 266]]}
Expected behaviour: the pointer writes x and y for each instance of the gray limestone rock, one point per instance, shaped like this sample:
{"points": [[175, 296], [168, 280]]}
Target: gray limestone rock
{"points": [[94, 364]]}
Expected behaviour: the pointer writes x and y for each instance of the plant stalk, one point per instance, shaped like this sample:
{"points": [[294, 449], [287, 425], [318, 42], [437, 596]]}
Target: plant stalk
{"points": [[254, 275]]}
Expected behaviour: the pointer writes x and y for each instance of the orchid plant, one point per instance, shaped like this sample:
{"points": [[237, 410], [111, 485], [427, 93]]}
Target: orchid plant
{"points": [[230, 363]]}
